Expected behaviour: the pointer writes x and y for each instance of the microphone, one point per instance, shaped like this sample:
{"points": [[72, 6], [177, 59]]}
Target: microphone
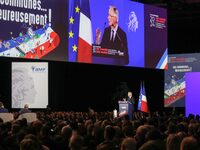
{"points": [[104, 25]]}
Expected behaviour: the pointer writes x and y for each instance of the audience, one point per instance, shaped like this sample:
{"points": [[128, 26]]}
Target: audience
{"points": [[108, 143], [99, 130]]}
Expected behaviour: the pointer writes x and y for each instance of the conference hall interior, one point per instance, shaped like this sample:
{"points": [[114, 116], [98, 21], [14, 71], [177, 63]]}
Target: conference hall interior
{"points": [[99, 75]]}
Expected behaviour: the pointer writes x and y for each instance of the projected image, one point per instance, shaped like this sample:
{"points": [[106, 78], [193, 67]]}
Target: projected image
{"points": [[113, 36], [156, 45], [116, 32], [175, 85], [33, 44], [29, 84], [30, 30], [123, 33], [119, 29], [23, 89]]}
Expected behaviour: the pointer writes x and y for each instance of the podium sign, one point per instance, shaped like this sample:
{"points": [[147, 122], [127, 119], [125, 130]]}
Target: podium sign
{"points": [[125, 107]]}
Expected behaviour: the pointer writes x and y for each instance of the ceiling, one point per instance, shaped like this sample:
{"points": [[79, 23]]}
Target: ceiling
{"points": [[183, 24]]}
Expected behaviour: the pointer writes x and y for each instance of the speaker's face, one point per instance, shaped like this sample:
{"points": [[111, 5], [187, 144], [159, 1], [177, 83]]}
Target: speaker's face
{"points": [[112, 18], [129, 94]]}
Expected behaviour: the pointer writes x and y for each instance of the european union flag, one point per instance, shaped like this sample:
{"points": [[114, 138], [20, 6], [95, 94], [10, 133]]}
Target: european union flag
{"points": [[73, 32]]}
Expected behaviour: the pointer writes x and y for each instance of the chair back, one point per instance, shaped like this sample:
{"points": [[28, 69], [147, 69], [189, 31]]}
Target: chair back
{"points": [[6, 117], [30, 117]]}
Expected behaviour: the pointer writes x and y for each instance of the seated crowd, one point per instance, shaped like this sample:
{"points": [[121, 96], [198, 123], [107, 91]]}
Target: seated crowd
{"points": [[99, 130]]}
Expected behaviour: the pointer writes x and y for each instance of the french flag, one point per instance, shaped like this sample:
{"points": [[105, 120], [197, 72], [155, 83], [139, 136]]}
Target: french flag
{"points": [[142, 104], [162, 64], [85, 34]]}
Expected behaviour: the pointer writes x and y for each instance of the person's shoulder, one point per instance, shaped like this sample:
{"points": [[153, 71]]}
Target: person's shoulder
{"points": [[107, 29], [121, 30], [22, 110]]}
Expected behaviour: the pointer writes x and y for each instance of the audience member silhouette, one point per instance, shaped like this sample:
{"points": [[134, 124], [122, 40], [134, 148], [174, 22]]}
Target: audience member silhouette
{"points": [[2, 109], [25, 109]]}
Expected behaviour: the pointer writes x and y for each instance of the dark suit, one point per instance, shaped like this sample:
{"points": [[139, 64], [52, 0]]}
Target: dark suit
{"points": [[132, 101], [24, 110], [119, 43]]}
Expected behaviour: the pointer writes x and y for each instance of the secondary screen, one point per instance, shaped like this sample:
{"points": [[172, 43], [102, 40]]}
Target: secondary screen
{"points": [[29, 84], [175, 85]]}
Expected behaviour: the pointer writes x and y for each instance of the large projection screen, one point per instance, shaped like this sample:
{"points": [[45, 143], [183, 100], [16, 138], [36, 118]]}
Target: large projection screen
{"points": [[29, 84], [140, 40], [73, 30]]}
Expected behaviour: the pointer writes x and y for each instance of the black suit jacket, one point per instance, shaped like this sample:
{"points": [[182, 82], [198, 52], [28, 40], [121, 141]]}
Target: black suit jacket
{"points": [[119, 43], [24, 110], [132, 100]]}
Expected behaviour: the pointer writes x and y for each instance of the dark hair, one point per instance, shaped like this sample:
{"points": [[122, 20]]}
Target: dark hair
{"points": [[30, 144], [1, 105]]}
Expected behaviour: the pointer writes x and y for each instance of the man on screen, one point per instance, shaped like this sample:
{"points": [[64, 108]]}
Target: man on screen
{"points": [[114, 37]]}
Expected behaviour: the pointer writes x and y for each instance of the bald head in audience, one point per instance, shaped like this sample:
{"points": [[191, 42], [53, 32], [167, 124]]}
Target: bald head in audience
{"points": [[66, 132], [128, 144], [76, 142], [189, 143]]}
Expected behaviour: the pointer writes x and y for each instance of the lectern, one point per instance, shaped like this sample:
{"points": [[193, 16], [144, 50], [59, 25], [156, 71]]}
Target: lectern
{"points": [[125, 107]]}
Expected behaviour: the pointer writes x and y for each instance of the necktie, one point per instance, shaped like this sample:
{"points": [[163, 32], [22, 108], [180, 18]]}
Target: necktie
{"points": [[112, 36]]}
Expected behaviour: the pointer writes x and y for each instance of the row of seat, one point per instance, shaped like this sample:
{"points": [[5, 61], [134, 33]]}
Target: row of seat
{"points": [[30, 117]]}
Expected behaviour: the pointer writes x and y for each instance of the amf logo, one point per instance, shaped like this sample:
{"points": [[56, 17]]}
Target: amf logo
{"points": [[38, 69]]}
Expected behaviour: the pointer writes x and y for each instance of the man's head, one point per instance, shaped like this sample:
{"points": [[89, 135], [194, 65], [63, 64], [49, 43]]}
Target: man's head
{"points": [[129, 94], [113, 16], [26, 106], [189, 142], [76, 142], [1, 105], [128, 144]]}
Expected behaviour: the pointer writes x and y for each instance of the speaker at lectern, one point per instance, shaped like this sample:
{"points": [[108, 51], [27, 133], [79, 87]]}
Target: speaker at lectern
{"points": [[125, 108]]}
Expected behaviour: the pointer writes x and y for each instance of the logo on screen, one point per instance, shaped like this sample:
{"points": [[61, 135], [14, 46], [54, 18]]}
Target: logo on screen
{"points": [[133, 22], [157, 22], [38, 69], [152, 20]]}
